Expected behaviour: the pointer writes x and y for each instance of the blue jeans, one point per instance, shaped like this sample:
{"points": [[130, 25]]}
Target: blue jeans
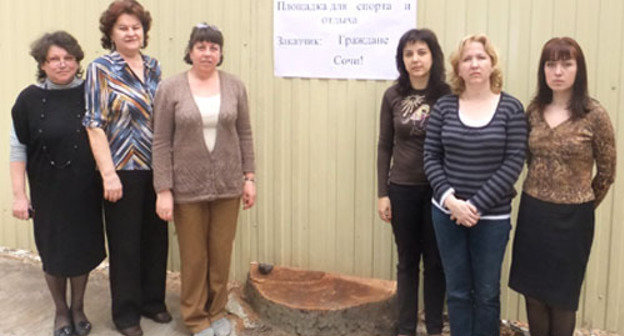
{"points": [[472, 259]]}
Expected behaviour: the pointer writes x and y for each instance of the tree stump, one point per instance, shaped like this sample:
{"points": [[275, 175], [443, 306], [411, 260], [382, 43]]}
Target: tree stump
{"points": [[318, 303]]}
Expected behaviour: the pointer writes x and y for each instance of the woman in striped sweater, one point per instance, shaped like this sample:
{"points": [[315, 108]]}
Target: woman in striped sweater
{"points": [[474, 152]]}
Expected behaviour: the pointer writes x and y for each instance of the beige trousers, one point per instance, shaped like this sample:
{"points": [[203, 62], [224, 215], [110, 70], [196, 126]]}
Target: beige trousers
{"points": [[205, 233]]}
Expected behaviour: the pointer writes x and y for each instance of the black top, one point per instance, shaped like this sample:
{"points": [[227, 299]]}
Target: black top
{"points": [[65, 191]]}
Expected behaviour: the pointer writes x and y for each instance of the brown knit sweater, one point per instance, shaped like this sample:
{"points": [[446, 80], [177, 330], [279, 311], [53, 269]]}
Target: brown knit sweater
{"points": [[182, 163], [561, 159]]}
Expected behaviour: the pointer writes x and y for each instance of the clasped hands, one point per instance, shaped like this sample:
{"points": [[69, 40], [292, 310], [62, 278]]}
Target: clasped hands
{"points": [[462, 212]]}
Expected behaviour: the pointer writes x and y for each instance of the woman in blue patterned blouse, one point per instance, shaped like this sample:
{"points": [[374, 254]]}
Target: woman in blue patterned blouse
{"points": [[120, 88]]}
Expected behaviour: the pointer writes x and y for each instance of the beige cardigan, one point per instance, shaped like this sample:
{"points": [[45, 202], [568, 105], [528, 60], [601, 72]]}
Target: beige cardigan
{"points": [[181, 161]]}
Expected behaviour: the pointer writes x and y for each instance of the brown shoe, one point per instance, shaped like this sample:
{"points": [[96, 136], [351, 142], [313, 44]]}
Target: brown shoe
{"points": [[132, 331], [162, 317]]}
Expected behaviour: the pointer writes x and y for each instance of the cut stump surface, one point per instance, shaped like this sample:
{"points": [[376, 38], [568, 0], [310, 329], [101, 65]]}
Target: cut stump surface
{"points": [[319, 303]]}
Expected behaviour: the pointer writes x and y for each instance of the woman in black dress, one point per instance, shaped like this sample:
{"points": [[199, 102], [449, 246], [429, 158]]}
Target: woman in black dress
{"points": [[49, 144]]}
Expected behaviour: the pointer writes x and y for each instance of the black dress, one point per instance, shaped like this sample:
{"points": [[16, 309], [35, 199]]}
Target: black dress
{"points": [[65, 192]]}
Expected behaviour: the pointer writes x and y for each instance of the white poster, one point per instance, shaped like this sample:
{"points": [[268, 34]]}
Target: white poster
{"points": [[339, 38]]}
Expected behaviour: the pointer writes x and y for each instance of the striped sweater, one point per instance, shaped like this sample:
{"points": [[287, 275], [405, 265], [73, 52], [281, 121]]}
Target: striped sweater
{"points": [[479, 164]]}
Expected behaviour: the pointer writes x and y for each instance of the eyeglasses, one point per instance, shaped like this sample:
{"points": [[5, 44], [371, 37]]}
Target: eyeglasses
{"points": [[56, 60]]}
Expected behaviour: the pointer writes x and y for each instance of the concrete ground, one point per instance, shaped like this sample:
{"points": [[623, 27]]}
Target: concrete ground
{"points": [[27, 309]]}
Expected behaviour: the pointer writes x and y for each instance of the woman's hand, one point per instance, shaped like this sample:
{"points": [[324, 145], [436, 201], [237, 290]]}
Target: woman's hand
{"points": [[249, 194], [113, 190], [20, 208], [164, 205], [383, 209], [462, 212], [21, 204]]}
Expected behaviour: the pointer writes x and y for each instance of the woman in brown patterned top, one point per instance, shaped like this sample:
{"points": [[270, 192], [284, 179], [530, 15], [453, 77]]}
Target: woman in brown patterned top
{"points": [[404, 192], [569, 132]]}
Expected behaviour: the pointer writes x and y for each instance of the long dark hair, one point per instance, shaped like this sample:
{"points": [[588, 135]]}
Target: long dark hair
{"points": [[563, 48], [437, 86]]}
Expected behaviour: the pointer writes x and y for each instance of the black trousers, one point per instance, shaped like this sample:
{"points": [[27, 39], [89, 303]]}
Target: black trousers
{"points": [[137, 244], [415, 236]]}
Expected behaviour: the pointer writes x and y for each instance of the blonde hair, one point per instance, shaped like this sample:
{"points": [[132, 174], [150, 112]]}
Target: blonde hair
{"points": [[496, 78]]}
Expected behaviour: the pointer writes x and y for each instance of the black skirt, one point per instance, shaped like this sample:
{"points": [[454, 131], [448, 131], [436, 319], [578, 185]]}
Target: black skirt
{"points": [[550, 250]]}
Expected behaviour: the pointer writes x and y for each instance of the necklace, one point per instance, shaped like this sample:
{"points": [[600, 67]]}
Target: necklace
{"points": [[59, 164]]}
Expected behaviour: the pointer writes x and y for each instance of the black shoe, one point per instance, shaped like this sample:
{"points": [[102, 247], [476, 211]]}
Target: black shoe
{"points": [[82, 328], [64, 331], [132, 331], [161, 317]]}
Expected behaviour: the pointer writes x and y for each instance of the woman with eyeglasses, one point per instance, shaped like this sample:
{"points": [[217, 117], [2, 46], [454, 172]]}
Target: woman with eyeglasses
{"points": [[49, 144], [202, 116]]}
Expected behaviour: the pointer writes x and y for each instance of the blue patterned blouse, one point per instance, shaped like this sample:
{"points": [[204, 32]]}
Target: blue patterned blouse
{"points": [[123, 106]]}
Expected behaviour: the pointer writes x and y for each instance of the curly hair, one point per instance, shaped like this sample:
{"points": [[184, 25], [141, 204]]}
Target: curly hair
{"points": [[436, 86], [563, 48], [496, 78], [204, 32], [115, 9], [62, 39]]}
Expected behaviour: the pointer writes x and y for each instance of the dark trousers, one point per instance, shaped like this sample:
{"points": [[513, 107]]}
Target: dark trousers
{"points": [[137, 244], [414, 236]]}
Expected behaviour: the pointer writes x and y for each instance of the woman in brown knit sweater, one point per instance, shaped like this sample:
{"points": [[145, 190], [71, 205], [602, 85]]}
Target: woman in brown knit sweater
{"points": [[569, 132], [203, 164]]}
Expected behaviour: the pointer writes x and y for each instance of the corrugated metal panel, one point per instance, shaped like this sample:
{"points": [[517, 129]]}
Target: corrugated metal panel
{"points": [[316, 139]]}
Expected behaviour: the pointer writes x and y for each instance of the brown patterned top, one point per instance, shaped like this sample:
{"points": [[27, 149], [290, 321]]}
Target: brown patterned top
{"points": [[561, 159]]}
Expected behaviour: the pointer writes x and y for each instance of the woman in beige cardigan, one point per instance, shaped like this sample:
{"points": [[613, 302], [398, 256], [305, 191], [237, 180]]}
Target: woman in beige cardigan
{"points": [[203, 165]]}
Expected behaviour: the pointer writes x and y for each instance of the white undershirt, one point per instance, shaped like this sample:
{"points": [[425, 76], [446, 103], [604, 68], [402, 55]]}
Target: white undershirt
{"points": [[479, 122], [476, 122], [209, 110]]}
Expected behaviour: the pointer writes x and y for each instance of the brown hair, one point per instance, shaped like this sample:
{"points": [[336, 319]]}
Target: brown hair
{"points": [[496, 78], [115, 9], [204, 32], [62, 39], [562, 48]]}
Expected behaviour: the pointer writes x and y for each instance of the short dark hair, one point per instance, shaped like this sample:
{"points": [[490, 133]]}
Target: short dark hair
{"points": [[62, 39], [204, 32], [437, 86], [563, 48], [114, 11]]}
